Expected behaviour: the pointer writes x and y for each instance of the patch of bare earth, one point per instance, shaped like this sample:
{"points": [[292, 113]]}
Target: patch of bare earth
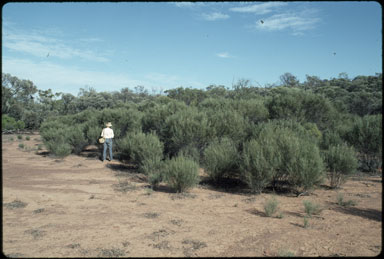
{"points": [[81, 207]]}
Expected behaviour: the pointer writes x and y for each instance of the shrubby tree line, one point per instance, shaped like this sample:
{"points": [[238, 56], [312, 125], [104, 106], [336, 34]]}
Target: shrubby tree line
{"points": [[292, 135]]}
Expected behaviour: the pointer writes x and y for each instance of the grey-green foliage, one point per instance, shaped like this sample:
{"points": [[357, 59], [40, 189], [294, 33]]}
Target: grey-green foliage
{"points": [[228, 123], [53, 134], [259, 163], [366, 137], [181, 173], [191, 151], [155, 114], [312, 208], [278, 153], [221, 158], [366, 134], [75, 138], [187, 127], [146, 150], [253, 110], [61, 137], [341, 162], [123, 120], [271, 206], [329, 138], [294, 103]]}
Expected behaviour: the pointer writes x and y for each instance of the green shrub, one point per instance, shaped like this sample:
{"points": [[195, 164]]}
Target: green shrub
{"points": [[366, 137], [21, 145], [259, 164], [312, 208], [305, 167], [187, 127], [228, 123], [19, 137], [270, 206], [146, 150], [342, 202], [330, 138], [190, 151], [278, 154], [306, 221], [123, 120], [154, 170], [341, 162], [55, 137], [220, 158], [75, 138], [181, 173], [60, 149], [10, 123], [253, 110], [27, 138]]}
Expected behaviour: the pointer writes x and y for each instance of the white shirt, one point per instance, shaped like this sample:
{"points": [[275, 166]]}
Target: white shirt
{"points": [[107, 133]]}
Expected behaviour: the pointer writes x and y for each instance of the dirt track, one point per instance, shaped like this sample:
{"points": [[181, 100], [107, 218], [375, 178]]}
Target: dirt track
{"points": [[81, 207]]}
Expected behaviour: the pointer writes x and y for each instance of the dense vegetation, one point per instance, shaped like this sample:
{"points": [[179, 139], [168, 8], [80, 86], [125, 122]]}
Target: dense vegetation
{"points": [[294, 134]]}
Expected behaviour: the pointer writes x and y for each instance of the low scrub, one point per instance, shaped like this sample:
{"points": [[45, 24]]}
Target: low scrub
{"points": [[280, 155], [220, 158], [271, 207], [181, 173], [341, 162], [146, 150], [312, 208]]}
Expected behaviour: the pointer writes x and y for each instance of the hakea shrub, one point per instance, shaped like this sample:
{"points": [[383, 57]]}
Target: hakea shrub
{"points": [[145, 150]]}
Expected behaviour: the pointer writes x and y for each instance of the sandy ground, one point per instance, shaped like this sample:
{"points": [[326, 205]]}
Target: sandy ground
{"points": [[82, 207]]}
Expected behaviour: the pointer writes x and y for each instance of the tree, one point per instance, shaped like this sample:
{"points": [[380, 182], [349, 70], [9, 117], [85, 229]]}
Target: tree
{"points": [[289, 80]]}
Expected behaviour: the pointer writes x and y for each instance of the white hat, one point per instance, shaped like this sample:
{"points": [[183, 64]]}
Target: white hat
{"points": [[108, 124]]}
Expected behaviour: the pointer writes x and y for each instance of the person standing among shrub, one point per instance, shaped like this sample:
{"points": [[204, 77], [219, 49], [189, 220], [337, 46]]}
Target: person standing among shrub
{"points": [[107, 134]]}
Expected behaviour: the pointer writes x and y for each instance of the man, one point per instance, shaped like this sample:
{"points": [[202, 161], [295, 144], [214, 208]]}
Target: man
{"points": [[107, 134]]}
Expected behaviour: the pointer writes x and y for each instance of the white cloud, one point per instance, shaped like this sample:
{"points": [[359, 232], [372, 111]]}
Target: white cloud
{"points": [[188, 4], [40, 45], [297, 22], [223, 55], [214, 16], [60, 78], [258, 8]]}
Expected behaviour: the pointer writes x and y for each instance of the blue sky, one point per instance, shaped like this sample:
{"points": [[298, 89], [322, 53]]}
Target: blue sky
{"points": [[164, 45]]}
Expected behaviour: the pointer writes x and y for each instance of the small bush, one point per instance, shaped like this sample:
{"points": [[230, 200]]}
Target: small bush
{"points": [[342, 202], [76, 139], [113, 252], [186, 127], [341, 162], [60, 149], [21, 145], [19, 137], [27, 138], [191, 152], [10, 124], [220, 158], [259, 164], [181, 173], [282, 153], [146, 150], [15, 204], [306, 222], [311, 208], [270, 207], [154, 170]]}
